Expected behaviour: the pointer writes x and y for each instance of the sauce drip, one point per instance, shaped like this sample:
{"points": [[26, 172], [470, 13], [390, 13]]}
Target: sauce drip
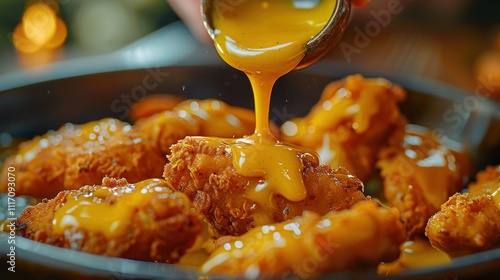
{"points": [[107, 210], [415, 254], [276, 162], [266, 40]]}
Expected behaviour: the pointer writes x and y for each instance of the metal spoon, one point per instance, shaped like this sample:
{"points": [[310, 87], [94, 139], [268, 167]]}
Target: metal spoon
{"points": [[318, 46]]}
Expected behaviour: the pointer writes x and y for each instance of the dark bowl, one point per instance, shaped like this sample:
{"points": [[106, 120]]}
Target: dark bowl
{"points": [[31, 109]]}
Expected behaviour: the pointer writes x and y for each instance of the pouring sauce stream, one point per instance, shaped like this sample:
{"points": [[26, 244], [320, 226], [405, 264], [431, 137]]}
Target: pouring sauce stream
{"points": [[266, 40]]}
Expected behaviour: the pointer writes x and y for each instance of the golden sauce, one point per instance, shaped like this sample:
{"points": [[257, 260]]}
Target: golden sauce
{"points": [[352, 120], [276, 162], [415, 254], [220, 119], [266, 40], [440, 159], [335, 242], [94, 212]]}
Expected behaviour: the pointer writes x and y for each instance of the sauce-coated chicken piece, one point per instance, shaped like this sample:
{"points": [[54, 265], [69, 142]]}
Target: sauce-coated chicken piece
{"points": [[469, 222], [309, 245], [420, 175], [354, 118], [210, 117], [204, 171], [147, 221]]}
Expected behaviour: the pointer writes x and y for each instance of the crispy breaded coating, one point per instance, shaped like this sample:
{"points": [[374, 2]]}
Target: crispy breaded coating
{"points": [[147, 221], [207, 176], [466, 224], [469, 222], [420, 175], [354, 118], [77, 155], [309, 245]]}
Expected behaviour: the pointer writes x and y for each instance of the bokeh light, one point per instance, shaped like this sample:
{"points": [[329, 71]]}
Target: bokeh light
{"points": [[40, 34], [39, 23], [59, 36]]}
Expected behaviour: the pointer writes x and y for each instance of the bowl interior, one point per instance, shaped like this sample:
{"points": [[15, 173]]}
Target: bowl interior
{"points": [[33, 109]]}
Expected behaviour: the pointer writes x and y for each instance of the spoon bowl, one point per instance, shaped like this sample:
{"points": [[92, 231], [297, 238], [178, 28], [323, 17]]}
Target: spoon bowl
{"points": [[316, 47]]}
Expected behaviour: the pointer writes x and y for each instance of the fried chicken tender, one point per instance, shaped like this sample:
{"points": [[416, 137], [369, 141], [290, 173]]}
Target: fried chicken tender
{"points": [[210, 117], [420, 175], [309, 245], [77, 155], [206, 174], [469, 222], [354, 118], [147, 221]]}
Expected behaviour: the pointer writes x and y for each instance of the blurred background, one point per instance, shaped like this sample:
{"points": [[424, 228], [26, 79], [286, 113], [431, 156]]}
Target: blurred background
{"points": [[456, 41], [38, 32]]}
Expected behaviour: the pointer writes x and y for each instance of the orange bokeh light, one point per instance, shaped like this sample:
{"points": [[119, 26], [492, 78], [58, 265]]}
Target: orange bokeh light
{"points": [[59, 36], [39, 23], [21, 42], [40, 29]]}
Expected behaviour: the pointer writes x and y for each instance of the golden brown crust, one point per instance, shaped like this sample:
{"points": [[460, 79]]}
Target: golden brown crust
{"points": [[76, 155], [206, 175], [161, 230], [466, 224], [469, 222]]}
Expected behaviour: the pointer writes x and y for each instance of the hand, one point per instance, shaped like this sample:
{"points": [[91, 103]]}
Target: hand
{"points": [[190, 12]]}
